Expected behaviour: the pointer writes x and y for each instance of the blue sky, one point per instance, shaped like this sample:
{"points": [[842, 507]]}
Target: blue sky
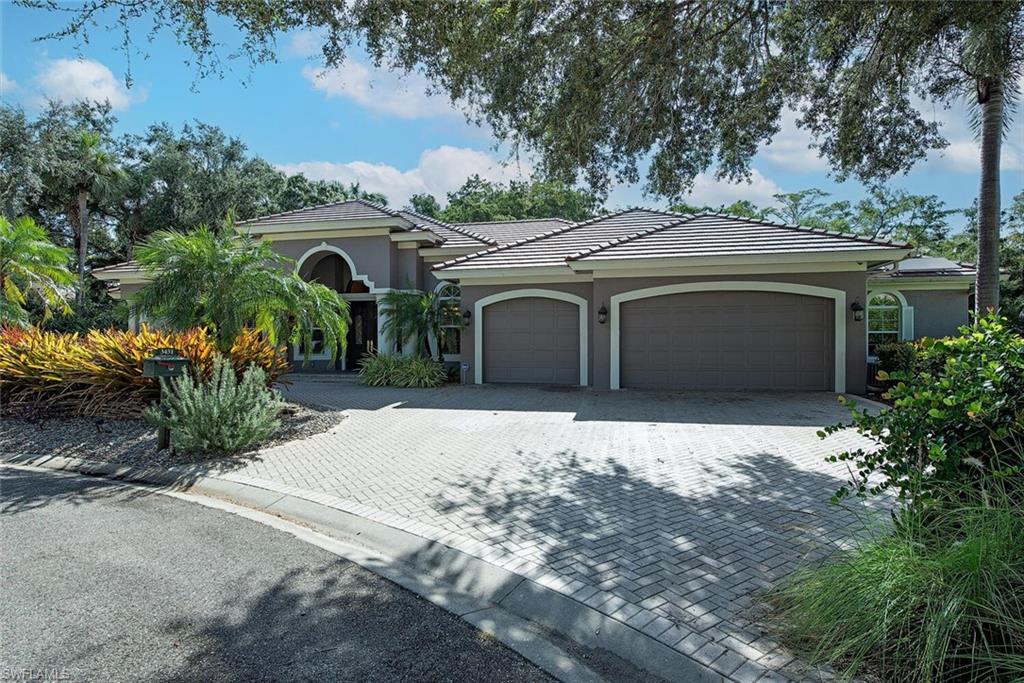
{"points": [[358, 123]]}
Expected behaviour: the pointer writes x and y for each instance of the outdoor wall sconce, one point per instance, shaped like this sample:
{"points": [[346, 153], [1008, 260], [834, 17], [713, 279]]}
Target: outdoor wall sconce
{"points": [[858, 310], [602, 315], [466, 316]]}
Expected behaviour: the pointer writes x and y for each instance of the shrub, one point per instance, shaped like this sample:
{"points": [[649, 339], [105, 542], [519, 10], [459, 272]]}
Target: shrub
{"points": [[377, 370], [100, 373], [219, 413], [420, 372], [940, 597], [956, 419], [896, 356]]}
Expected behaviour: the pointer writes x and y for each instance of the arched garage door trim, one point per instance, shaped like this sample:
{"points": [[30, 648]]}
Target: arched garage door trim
{"points": [[478, 324], [838, 296]]}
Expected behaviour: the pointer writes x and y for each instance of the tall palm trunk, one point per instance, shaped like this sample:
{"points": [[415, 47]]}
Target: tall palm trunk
{"points": [[83, 238], [990, 98]]}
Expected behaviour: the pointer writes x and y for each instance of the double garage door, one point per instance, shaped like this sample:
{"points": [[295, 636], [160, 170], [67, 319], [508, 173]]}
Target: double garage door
{"points": [[727, 340], [697, 340]]}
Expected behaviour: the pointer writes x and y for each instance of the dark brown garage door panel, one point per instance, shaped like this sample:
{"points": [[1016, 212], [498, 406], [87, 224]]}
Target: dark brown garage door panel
{"points": [[532, 340], [727, 340]]}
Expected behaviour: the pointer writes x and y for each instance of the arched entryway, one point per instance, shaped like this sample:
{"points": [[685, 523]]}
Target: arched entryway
{"points": [[333, 268]]}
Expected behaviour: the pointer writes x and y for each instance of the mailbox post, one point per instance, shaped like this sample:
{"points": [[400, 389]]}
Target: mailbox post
{"points": [[164, 363]]}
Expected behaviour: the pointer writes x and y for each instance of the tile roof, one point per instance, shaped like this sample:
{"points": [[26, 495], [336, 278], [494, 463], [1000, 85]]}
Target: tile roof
{"points": [[503, 232], [351, 209], [721, 235], [643, 233], [453, 235]]}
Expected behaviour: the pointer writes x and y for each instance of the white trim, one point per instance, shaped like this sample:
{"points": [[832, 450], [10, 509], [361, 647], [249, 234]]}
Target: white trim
{"points": [[478, 325], [837, 295], [323, 246], [521, 280], [347, 224], [956, 283], [748, 269]]}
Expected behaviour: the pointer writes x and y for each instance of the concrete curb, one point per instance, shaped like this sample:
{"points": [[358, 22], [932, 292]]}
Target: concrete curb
{"points": [[490, 597]]}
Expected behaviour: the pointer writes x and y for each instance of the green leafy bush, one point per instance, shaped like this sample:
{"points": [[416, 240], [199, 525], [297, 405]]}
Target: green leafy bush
{"points": [[896, 356], [219, 414], [420, 372], [957, 418], [939, 597], [378, 370]]}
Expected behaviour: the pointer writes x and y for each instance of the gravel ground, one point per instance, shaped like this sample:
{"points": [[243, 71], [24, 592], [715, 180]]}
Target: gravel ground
{"points": [[101, 581], [133, 441]]}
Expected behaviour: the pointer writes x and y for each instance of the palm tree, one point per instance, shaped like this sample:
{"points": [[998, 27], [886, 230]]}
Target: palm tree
{"points": [[226, 282], [992, 59], [95, 171], [416, 317], [31, 266]]}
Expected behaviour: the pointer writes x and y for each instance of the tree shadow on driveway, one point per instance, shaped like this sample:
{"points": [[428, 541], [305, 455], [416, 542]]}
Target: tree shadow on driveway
{"points": [[695, 550]]}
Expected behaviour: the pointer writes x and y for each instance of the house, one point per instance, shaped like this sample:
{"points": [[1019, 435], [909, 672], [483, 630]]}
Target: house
{"points": [[639, 298]]}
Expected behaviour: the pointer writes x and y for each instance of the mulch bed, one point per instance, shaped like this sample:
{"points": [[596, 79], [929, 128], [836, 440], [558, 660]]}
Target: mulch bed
{"points": [[133, 441]]}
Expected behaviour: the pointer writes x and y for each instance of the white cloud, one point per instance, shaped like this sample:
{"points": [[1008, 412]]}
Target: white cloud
{"points": [[438, 172], [790, 148], [707, 191], [68, 80], [304, 44], [7, 84], [380, 90]]}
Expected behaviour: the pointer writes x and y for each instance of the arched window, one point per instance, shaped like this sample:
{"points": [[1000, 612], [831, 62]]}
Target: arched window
{"points": [[884, 324], [449, 297]]}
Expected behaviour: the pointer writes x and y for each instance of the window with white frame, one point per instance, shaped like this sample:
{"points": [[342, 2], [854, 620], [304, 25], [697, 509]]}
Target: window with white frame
{"points": [[884, 320], [449, 297]]}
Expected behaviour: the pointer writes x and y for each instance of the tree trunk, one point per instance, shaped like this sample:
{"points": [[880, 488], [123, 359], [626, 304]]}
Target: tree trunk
{"points": [[990, 98], [83, 239]]}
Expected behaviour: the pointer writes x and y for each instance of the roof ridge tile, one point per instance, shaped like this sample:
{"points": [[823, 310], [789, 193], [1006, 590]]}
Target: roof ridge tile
{"points": [[451, 226]]}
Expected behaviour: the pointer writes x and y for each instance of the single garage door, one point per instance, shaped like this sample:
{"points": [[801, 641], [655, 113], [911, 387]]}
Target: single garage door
{"points": [[727, 340], [532, 340]]}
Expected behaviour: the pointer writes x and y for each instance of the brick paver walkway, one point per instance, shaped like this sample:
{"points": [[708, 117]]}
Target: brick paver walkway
{"points": [[665, 511]]}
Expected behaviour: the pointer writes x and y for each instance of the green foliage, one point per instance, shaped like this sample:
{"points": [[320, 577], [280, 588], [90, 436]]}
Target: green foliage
{"points": [[170, 179], [896, 357], [100, 373], [958, 418], [32, 269], [378, 370], [481, 200], [415, 317], [220, 413], [226, 281], [940, 597]]}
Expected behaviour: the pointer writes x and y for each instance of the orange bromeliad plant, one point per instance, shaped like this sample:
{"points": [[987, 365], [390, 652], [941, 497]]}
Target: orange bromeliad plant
{"points": [[100, 373]]}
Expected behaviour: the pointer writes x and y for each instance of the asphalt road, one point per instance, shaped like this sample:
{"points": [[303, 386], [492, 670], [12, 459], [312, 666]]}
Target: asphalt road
{"points": [[100, 581]]}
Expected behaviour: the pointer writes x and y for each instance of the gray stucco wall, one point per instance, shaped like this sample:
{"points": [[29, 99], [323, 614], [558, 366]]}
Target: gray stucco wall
{"points": [[937, 313], [599, 294]]}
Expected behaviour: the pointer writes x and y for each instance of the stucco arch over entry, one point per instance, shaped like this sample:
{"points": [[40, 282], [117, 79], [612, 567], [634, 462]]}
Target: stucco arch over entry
{"points": [[330, 248], [838, 297], [478, 325]]}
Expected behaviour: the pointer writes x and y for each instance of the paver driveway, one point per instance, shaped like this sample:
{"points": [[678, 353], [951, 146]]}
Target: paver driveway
{"points": [[666, 511]]}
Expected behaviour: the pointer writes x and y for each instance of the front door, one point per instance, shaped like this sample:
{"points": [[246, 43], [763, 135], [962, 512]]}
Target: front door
{"points": [[362, 332]]}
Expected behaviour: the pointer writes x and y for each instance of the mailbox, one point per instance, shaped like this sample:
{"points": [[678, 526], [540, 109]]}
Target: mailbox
{"points": [[165, 363]]}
